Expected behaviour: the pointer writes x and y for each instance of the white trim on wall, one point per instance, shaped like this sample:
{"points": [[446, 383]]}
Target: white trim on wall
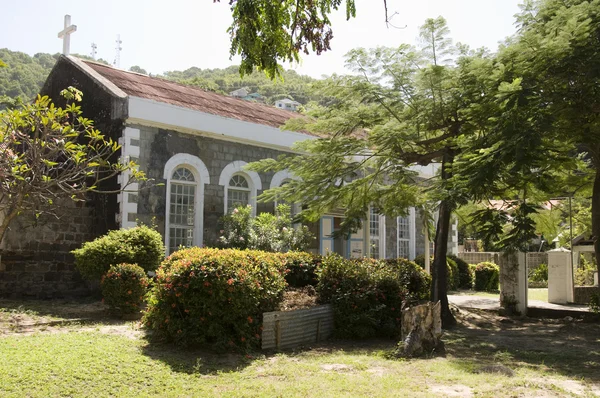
{"points": [[237, 168], [280, 177], [130, 148], [200, 172], [158, 114]]}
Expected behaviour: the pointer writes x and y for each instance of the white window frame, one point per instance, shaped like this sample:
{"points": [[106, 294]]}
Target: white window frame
{"points": [[411, 234], [201, 177], [254, 183], [381, 234]]}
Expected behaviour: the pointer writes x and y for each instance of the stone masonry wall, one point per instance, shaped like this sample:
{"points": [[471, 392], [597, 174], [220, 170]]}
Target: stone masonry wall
{"points": [[36, 261]]}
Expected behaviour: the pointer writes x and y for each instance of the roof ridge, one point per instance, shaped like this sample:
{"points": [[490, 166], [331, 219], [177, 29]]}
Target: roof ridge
{"points": [[241, 101]]}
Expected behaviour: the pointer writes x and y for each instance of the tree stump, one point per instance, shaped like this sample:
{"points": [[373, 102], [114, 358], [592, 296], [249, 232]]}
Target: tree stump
{"points": [[421, 330]]}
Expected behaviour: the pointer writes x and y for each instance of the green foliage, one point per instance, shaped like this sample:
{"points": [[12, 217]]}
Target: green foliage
{"points": [[453, 274], [301, 268], [487, 276], [584, 274], [51, 155], [124, 287], [24, 75], [539, 276], [216, 297], [268, 232], [140, 245], [595, 304], [465, 274], [265, 32], [367, 295]]}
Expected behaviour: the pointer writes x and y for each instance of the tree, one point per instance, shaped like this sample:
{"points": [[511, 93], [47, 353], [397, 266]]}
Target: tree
{"points": [[49, 155], [403, 106], [138, 69]]}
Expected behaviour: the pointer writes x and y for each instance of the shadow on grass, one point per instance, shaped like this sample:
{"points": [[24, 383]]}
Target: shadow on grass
{"points": [[487, 341], [91, 308]]}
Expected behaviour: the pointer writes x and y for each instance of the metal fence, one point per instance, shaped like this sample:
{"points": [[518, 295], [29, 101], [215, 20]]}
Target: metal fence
{"points": [[289, 329]]}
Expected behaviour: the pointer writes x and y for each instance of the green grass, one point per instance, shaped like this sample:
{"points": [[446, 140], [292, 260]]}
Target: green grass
{"points": [[90, 363]]}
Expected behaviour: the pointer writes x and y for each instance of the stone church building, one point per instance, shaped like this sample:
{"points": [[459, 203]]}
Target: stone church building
{"points": [[194, 144]]}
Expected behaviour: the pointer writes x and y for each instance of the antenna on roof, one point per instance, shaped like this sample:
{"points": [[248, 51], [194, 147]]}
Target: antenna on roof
{"points": [[94, 51], [117, 62]]}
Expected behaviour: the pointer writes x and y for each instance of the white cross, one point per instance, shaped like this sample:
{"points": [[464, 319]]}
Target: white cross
{"points": [[65, 34]]}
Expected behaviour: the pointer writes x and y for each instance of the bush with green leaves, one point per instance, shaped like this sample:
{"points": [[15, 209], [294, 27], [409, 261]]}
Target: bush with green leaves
{"points": [[215, 297], [268, 232], [487, 277], [140, 245], [123, 287], [538, 277], [465, 275], [301, 268], [595, 303], [453, 281], [584, 274], [367, 295]]}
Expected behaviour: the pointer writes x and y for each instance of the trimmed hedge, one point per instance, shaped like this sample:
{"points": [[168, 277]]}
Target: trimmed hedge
{"points": [[215, 296], [465, 274], [452, 273], [487, 277], [140, 245], [301, 268], [124, 287], [367, 294]]}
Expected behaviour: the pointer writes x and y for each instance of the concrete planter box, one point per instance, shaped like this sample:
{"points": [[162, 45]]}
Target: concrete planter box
{"points": [[289, 329]]}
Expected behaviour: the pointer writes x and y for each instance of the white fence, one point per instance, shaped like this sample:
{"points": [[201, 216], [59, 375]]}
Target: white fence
{"points": [[534, 259]]}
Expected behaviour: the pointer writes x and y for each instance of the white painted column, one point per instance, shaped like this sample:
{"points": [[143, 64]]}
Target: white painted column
{"points": [[560, 277], [127, 199]]}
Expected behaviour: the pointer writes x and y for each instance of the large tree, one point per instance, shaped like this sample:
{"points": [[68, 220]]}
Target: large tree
{"points": [[51, 155], [401, 107]]}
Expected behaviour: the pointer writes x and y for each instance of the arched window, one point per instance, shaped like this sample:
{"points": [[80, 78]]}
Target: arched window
{"points": [[186, 175], [280, 179], [240, 186], [238, 192]]}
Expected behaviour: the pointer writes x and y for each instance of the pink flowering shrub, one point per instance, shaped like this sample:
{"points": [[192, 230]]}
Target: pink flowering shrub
{"points": [[215, 296], [124, 287], [367, 295]]}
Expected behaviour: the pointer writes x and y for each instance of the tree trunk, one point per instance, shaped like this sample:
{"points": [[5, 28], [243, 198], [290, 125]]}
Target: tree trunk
{"points": [[596, 213], [439, 281]]}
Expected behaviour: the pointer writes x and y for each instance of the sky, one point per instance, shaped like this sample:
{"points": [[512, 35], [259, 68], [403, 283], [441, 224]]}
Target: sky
{"points": [[169, 35]]}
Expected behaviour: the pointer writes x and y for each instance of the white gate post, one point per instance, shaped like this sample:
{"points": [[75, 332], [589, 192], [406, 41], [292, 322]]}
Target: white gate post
{"points": [[560, 276]]}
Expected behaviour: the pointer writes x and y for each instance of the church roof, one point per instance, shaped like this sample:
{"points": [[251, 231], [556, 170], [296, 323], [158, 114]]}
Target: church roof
{"points": [[165, 91]]}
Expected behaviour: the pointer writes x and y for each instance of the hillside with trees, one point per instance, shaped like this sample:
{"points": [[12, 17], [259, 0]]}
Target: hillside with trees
{"points": [[24, 76]]}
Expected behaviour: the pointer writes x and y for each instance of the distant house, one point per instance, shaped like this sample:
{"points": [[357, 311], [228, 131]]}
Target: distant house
{"points": [[287, 104], [240, 92]]}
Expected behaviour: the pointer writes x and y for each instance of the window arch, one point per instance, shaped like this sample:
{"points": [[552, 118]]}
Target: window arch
{"points": [[279, 179], [186, 175], [240, 186]]}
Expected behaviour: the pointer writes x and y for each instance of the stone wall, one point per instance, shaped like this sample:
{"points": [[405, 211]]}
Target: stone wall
{"points": [[583, 294], [35, 261]]}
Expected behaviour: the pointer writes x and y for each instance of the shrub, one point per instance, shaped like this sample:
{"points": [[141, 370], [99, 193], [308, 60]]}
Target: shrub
{"points": [[301, 268], [123, 287], [595, 303], [367, 295], [268, 232], [453, 275], [584, 274], [539, 276], [465, 275], [214, 296], [141, 245], [487, 277]]}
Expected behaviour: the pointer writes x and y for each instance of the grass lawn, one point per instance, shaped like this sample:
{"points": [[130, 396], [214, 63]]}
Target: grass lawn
{"points": [[486, 357], [540, 294]]}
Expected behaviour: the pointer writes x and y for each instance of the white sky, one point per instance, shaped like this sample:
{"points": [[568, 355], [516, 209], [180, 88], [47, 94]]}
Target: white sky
{"points": [[163, 35]]}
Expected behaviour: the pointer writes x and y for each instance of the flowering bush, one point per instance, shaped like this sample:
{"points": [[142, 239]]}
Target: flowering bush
{"points": [[141, 245], [268, 232], [214, 296], [367, 294], [123, 287], [487, 276], [301, 268]]}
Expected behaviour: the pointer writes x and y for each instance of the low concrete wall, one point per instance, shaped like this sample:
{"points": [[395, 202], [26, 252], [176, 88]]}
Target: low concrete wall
{"points": [[583, 294], [289, 329]]}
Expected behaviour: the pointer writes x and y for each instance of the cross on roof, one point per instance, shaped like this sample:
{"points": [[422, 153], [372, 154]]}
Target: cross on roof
{"points": [[65, 34]]}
